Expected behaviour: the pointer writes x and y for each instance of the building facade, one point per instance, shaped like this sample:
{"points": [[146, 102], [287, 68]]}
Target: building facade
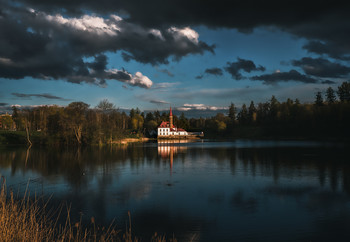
{"points": [[168, 129]]}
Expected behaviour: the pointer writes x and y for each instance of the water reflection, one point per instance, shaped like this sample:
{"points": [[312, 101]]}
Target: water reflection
{"points": [[167, 150], [200, 190], [329, 166]]}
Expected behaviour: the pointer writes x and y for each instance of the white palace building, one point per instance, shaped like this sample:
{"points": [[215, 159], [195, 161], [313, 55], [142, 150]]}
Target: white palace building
{"points": [[169, 130]]}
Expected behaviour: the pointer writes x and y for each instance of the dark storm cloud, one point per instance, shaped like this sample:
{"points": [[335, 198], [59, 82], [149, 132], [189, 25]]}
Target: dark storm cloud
{"points": [[3, 104], [36, 44], [158, 102], [221, 13], [165, 71], [329, 36], [214, 71], [324, 21], [332, 49], [276, 77], [328, 82], [234, 68], [43, 95], [100, 63], [45, 44], [321, 67]]}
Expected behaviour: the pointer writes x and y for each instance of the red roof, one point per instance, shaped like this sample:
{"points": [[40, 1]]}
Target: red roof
{"points": [[164, 124]]}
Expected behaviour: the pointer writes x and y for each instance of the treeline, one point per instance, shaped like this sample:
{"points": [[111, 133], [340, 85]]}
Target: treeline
{"points": [[79, 124], [75, 124], [327, 117]]}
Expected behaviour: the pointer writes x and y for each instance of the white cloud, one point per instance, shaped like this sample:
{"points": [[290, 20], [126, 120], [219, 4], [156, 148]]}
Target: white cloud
{"points": [[196, 106], [164, 85], [140, 80], [92, 24], [133, 80], [114, 25], [116, 18], [186, 32], [184, 109], [6, 61], [187, 107], [157, 33]]}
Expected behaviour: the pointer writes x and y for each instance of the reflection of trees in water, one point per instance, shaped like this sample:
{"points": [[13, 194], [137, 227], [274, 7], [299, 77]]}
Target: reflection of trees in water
{"points": [[104, 165], [74, 163], [328, 164]]}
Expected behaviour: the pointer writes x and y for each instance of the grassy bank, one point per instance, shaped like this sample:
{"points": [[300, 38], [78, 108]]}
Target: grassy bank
{"points": [[126, 141], [27, 220], [8, 137]]}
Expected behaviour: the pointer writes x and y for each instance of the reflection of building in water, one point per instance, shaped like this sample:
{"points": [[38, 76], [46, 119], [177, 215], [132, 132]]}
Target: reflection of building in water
{"points": [[167, 151], [173, 141]]}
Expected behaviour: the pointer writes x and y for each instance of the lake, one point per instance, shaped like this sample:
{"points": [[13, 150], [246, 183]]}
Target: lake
{"points": [[201, 191]]}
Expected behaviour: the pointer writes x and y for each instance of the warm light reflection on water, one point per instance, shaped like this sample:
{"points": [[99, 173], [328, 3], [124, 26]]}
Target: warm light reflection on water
{"points": [[209, 191], [167, 150]]}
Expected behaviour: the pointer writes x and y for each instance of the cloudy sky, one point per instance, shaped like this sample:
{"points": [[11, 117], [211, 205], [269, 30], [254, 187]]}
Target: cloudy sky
{"points": [[188, 54]]}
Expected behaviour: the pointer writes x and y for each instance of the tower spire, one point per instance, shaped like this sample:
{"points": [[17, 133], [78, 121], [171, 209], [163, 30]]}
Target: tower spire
{"points": [[171, 118]]}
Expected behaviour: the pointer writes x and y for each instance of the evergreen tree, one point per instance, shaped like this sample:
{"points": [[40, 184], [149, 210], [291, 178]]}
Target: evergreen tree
{"points": [[232, 112], [243, 115], [183, 122], [344, 92], [157, 116], [149, 117], [289, 102], [330, 95], [318, 99], [274, 106], [132, 113]]}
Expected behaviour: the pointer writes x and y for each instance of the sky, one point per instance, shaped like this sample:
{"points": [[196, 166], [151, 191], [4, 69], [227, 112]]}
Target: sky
{"points": [[191, 55]]}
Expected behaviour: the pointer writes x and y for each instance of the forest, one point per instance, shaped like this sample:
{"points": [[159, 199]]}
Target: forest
{"points": [[327, 118]]}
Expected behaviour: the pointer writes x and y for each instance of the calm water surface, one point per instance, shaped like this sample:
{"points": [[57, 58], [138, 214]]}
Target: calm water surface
{"points": [[204, 191]]}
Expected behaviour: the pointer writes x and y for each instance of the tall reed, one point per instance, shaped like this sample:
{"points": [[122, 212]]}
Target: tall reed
{"points": [[26, 219]]}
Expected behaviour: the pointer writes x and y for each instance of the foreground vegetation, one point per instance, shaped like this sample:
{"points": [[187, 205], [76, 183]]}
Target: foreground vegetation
{"points": [[27, 220], [327, 118]]}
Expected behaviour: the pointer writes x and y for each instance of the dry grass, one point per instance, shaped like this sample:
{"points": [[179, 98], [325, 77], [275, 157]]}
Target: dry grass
{"points": [[25, 220]]}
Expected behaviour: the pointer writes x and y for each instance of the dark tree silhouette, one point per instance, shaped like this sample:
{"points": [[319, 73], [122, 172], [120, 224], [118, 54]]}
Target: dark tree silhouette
{"points": [[318, 99], [344, 92], [330, 95]]}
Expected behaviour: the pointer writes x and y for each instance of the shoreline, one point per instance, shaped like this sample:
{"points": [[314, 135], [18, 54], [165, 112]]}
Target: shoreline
{"points": [[126, 141], [19, 138]]}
